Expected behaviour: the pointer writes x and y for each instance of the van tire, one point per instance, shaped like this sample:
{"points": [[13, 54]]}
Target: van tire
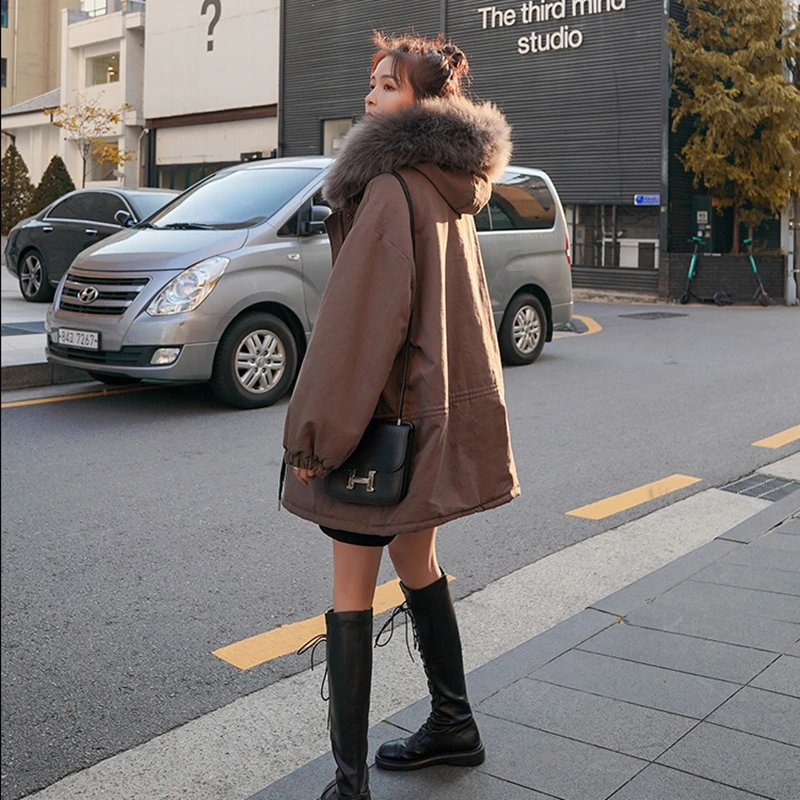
{"points": [[523, 330], [273, 348]]}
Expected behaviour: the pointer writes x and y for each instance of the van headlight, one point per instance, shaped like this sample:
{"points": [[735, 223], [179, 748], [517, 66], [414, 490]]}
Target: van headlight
{"points": [[189, 289]]}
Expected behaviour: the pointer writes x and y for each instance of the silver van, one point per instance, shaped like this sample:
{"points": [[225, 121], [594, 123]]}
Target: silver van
{"points": [[224, 283]]}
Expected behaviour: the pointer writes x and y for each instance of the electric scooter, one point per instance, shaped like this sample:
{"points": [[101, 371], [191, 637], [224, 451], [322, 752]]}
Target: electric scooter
{"points": [[720, 298], [761, 295]]}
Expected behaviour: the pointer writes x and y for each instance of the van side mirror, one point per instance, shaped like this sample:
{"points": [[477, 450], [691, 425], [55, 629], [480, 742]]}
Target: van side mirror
{"points": [[124, 218], [316, 221]]}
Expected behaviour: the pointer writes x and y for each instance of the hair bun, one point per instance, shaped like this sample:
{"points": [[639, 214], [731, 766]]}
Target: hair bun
{"points": [[454, 55]]}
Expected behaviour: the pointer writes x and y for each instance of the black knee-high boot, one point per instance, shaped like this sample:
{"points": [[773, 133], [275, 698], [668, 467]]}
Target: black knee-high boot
{"points": [[349, 657], [450, 735]]}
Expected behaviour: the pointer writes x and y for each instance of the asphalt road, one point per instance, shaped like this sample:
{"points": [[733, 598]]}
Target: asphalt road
{"points": [[141, 532]]}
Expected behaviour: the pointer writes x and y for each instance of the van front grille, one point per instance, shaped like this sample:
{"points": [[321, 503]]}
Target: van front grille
{"points": [[113, 294], [126, 357]]}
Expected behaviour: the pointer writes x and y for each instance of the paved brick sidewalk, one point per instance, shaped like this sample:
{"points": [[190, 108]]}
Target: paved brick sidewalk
{"points": [[685, 685]]}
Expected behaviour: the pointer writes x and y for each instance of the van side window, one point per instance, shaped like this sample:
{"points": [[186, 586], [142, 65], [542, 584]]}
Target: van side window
{"points": [[522, 202], [501, 221], [289, 228], [482, 220]]}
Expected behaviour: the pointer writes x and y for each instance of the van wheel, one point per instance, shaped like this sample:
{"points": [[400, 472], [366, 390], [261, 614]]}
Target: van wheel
{"points": [[523, 330], [34, 282], [255, 363]]}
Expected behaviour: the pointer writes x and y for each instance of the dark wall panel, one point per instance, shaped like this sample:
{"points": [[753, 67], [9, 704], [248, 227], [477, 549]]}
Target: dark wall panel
{"points": [[590, 116], [327, 54]]}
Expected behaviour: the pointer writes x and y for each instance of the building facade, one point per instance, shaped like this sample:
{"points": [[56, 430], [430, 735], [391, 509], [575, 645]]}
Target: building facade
{"points": [[585, 85], [211, 87], [102, 60], [30, 38]]}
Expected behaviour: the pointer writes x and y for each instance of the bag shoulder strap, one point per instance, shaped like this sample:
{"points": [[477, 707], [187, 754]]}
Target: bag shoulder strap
{"points": [[407, 346]]}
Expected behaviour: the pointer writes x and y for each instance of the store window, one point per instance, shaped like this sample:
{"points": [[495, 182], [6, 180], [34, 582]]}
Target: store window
{"points": [[333, 133], [102, 69], [182, 176], [4, 15], [615, 236], [3, 64]]}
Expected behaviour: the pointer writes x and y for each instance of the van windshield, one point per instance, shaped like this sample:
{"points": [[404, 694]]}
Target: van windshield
{"points": [[238, 199]]}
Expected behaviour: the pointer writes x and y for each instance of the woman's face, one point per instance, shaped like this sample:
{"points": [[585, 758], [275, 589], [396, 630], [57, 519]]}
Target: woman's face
{"points": [[386, 94]]}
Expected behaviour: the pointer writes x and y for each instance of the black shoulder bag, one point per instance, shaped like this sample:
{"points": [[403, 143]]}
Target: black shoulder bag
{"points": [[378, 470]]}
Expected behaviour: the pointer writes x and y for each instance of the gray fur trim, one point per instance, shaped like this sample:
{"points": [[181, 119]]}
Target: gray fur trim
{"points": [[454, 134]]}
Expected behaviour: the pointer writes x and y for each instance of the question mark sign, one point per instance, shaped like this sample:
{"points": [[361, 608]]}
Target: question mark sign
{"points": [[217, 4]]}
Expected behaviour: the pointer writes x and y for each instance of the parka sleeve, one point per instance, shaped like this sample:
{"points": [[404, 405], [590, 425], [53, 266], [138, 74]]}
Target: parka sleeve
{"points": [[360, 329]]}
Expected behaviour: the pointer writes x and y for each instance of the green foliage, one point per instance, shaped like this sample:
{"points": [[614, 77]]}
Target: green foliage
{"points": [[55, 183], [732, 68], [16, 189]]}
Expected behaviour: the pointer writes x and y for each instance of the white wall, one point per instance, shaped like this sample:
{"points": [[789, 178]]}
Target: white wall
{"points": [[36, 139], [216, 143], [183, 77], [110, 33]]}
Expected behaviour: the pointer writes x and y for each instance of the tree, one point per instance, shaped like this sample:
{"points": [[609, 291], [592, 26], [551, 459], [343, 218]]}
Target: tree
{"points": [[55, 183], [16, 188], [87, 123], [732, 68]]}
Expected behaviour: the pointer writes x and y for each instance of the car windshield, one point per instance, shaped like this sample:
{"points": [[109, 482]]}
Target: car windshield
{"points": [[238, 199], [148, 203]]}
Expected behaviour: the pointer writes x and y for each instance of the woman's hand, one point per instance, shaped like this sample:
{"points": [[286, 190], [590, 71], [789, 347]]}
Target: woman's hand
{"points": [[305, 476]]}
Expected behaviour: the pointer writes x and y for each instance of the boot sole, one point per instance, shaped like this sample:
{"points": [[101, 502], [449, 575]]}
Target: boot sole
{"points": [[465, 758]]}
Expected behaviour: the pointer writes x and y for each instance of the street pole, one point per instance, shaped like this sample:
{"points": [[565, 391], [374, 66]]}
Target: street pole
{"points": [[791, 251]]}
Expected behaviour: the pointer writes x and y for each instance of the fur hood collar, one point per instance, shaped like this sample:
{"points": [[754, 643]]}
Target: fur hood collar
{"points": [[454, 134]]}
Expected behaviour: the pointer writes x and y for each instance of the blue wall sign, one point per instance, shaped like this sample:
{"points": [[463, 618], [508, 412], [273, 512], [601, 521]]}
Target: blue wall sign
{"points": [[647, 199]]}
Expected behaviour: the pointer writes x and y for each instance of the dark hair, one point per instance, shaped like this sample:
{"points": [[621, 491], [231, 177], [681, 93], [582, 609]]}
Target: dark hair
{"points": [[433, 67]]}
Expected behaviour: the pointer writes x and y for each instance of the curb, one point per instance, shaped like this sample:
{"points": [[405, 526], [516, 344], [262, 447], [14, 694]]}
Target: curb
{"points": [[550, 644], [42, 373]]}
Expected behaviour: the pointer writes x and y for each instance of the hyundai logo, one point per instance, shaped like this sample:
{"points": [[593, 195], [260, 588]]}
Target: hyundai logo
{"points": [[88, 295]]}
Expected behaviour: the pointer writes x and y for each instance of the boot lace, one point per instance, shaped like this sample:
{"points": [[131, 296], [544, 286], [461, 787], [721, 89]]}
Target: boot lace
{"points": [[312, 645], [400, 611]]}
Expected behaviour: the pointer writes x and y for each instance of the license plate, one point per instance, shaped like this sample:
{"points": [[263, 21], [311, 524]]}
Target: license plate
{"points": [[86, 340]]}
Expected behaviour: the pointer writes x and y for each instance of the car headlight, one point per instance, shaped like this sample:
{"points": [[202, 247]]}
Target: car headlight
{"points": [[189, 289]]}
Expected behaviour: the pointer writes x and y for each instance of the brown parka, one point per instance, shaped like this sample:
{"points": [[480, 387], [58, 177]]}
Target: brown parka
{"points": [[448, 152]]}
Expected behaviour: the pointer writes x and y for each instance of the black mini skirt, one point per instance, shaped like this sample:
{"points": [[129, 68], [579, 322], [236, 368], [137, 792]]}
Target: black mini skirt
{"points": [[362, 539]]}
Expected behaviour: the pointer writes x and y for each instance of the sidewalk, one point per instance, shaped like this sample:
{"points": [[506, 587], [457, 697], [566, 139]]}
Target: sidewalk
{"points": [[685, 685], [23, 339]]}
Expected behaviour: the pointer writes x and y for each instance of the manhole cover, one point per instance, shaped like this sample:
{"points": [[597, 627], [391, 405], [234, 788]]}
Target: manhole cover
{"points": [[653, 315], [762, 486]]}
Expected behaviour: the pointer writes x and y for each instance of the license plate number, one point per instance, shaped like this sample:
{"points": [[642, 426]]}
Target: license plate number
{"points": [[86, 340]]}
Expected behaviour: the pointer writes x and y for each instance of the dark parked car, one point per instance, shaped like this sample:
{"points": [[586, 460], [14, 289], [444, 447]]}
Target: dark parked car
{"points": [[41, 248]]}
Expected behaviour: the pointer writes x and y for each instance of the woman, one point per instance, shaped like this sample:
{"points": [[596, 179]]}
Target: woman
{"points": [[448, 150]]}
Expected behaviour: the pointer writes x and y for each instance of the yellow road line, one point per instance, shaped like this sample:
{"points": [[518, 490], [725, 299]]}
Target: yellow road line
{"points": [[780, 439], [286, 639], [62, 398], [621, 502], [591, 325]]}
